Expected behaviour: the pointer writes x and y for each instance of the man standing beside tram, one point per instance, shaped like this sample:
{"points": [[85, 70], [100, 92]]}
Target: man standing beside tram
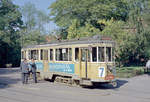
{"points": [[24, 66], [33, 70]]}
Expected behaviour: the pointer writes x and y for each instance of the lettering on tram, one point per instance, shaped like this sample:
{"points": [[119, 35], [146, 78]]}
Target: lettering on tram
{"points": [[84, 62]]}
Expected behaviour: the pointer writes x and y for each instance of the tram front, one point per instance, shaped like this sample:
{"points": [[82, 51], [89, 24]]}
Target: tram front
{"points": [[103, 63], [99, 64]]}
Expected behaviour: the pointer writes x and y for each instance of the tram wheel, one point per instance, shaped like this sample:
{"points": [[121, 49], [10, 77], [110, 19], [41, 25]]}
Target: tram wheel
{"points": [[114, 84], [76, 83], [57, 79]]}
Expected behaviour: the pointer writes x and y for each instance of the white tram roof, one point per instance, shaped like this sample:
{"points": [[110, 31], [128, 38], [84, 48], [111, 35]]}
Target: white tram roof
{"points": [[91, 40]]}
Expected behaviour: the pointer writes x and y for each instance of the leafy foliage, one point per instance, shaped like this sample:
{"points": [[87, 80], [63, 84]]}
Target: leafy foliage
{"points": [[75, 31], [10, 21], [63, 12]]}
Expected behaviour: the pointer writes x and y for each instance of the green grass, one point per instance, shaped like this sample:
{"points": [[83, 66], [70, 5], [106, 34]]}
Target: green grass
{"points": [[127, 72]]}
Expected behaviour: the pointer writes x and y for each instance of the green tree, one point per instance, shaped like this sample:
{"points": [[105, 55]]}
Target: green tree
{"points": [[10, 23], [137, 10], [75, 31], [63, 12]]}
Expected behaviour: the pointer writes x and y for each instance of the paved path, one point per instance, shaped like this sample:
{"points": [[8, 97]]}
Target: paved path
{"points": [[135, 89]]}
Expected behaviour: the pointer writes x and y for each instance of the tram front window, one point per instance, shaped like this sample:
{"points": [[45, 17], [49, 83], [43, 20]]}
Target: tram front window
{"points": [[108, 54], [101, 54]]}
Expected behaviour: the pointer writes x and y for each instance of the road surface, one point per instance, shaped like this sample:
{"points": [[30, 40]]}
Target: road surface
{"points": [[136, 89]]}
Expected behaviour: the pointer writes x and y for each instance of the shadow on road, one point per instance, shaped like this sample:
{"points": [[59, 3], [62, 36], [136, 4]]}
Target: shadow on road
{"points": [[6, 82], [148, 73], [120, 83], [9, 70], [8, 77]]}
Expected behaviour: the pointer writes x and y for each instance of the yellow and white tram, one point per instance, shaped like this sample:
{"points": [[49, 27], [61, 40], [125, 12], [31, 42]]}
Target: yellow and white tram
{"points": [[81, 62]]}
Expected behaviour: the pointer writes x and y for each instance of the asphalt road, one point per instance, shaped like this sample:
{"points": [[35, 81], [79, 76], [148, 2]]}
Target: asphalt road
{"points": [[135, 89]]}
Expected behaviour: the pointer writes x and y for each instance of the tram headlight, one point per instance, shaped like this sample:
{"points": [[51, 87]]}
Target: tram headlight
{"points": [[110, 68]]}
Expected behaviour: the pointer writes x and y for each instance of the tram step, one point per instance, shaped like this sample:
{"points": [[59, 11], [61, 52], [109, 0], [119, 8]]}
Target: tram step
{"points": [[86, 82]]}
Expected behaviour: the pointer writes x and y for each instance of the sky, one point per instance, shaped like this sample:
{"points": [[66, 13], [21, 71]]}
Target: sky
{"points": [[41, 5]]}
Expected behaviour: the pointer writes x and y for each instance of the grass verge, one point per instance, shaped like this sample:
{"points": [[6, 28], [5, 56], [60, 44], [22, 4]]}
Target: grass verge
{"points": [[128, 72]]}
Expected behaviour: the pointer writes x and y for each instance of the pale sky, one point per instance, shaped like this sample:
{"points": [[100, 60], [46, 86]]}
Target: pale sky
{"points": [[39, 4]]}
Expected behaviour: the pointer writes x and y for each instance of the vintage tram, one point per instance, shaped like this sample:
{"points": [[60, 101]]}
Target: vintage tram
{"points": [[82, 61]]}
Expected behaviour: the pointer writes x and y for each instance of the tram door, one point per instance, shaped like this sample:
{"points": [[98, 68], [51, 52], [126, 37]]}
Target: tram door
{"points": [[84, 62], [45, 60]]}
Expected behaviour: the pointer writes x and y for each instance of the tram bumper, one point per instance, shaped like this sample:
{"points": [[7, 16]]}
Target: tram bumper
{"points": [[112, 82], [102, 80]]}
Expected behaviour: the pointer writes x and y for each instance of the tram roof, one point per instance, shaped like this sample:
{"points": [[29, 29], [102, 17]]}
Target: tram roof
{"points": [[86, 40]]}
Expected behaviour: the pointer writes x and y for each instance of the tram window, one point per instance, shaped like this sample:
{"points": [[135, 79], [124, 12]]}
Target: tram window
{"points": [[108, 53], [42, 53], [94, 54], [101, 54], [33, 54], [29, 55], [84, 56], [77, 54], [23, 54], [51, 54], [58, 54], [64, 54]]}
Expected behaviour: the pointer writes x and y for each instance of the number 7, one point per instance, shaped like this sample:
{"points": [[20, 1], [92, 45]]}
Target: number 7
{"points": [[101, 72]]}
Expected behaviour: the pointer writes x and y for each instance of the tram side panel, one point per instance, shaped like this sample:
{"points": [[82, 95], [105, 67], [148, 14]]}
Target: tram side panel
{"points": [[95, 72]]}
